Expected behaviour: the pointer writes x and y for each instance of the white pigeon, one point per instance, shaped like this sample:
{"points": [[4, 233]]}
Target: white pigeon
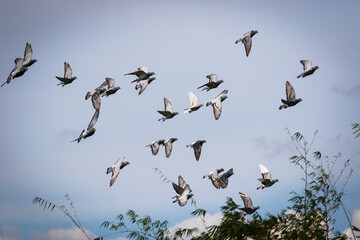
{"points": [[246, 39], [308, 69], [266, 180], [115, 169], [216, 103], [193, 103]]}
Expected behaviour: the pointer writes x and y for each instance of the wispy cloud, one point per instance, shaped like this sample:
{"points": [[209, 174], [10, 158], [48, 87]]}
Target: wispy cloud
{"points": [[9, 233], [355, 90], [271, 148], [63, 234]]}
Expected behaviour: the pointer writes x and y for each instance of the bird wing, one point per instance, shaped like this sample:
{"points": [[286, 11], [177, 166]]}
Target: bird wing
{"points": [[181, 181], [290, 92], [96, 100], [197, 151], [177, 189], [306, 64], [67, 70], [18, 63], [155, 148], [247, 43], [214, 177], [145, 69], [168, 105], [193, 100], [247, 201], [168, 148], [94, 119], [217, 108], [212, 77], [27, 54], [110, 82], [263, 169], [222, 93]]}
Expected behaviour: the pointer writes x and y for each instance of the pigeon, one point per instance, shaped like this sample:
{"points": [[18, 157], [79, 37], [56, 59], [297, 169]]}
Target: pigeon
{"points": [[111, 89], [101, 89], [308, 69], [247, 40], [213, 82], [290, 97], [142, 74], [28, 61], [224, 179], [68, 78], [249, 208], [143, 84], [193, 103], [168, 113], [90, 129], [96, 100], [168, 146], [183, 191], [115, 169], [18, 70], [197, 148], [214, 177], [216, 103], [155, 146], [266, 180]]}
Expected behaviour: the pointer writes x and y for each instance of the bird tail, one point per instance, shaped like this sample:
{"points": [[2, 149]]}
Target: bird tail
{"points": [[300, 75], [282, 106], [136, 80], [3, 84], [78, 140], [187, 110], [261, 187]]}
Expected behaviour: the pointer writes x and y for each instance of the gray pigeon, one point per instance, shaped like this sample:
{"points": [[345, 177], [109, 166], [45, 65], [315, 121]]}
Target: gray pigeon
{"points": [[115, 169], [213, 82], [18, 70], [111, 89], [183, 191], [291, 99], [28, 61], [214, 177], [155, 146], [266, 180], [168, 146], [308, 69], [197, 148], [216, 103], [100, 89], [143, 84], [246, 39], [168, 113], [249, 208], [68, 78], [193, 103], [224, 179], [142, 73], [90, 129]]}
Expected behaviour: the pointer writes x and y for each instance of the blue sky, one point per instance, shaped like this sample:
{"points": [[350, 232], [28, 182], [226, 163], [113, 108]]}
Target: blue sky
{"points": [[181, 42]]}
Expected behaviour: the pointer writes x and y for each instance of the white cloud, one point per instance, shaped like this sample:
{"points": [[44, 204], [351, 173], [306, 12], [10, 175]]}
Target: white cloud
{"points": [[64, 234], [356, 223], [196, 222], [9, 233]]}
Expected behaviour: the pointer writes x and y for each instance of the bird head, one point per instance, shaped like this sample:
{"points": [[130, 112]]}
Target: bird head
{"points": [[224, 97], [189, 195], [176, 113], [220, 81], [275, 180], [220, 170]]}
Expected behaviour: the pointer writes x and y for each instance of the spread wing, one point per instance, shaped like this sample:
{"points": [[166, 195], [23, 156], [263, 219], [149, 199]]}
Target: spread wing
{"points": [[168, 105], [145, 69], [155, 148], [290, 92], [222, 93], [27, 54], [116, 170], [94, 119], [247, 201], [96, 100], [110, 82], [212, 77], [193, 100], [217, 108], [178, 189], [67, 70], [247, 43], [197, 151], [181, 181], [104, 84], [168, 148], [306, 64]]}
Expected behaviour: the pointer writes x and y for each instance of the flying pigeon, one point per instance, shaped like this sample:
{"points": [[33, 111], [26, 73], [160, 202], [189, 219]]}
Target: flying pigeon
{"points": [[214, 177], [247, 40], [115, 169], [142, 74], [28, 61], [216, 103], [143, 84], [68, 78], [155, 146], [193, 103], [213, 82], [168, 113], [111, 89], [266, 180], [291, 99], [197, 148], [168, 146], [18, 70], [308, 69], [90, 129], [96, 100], [249, 208], [100, 89], [224, 179], [183, 192]]}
